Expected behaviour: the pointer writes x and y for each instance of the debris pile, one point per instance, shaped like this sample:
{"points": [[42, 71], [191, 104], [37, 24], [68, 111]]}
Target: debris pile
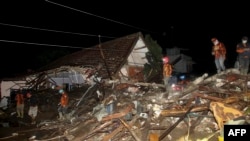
{"points": [[196, 110]]}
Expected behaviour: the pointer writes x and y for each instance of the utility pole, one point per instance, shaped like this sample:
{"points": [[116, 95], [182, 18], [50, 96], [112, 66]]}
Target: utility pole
{"points": [[172, 36]]}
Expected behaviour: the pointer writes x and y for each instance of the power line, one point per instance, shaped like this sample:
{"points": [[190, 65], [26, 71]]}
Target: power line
{"points": [[100, 17], [54, 30], [39, 44], [62, 46]]}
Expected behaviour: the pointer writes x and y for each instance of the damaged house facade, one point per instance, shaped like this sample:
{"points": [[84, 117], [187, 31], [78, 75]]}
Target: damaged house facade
{"points": [[120, 59]]}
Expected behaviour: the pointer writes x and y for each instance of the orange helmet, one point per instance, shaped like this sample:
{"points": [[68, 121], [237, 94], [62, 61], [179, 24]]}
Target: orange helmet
{"points": [[165, 59]]}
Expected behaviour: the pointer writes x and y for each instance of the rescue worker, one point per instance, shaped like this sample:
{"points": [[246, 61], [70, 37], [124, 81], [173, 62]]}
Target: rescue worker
{"points": [[33, 107], [63, 105], [167, 71], [219, 53], [19, 104], [243, 50]]}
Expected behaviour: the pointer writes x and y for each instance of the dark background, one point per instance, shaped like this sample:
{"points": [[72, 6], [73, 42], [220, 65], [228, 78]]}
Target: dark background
{"points": [[37, 31]]}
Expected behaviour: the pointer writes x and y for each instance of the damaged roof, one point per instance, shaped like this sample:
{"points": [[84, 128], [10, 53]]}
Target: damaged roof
{"points": [[112, 55]]}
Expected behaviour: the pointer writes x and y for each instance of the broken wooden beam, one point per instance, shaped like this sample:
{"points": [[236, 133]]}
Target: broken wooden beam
{"points": [[205, 96], [98, 129], [119, 129], [179, 112], [109, 136], [119, 115], [231, 99], [165, 133], [129, 129]]}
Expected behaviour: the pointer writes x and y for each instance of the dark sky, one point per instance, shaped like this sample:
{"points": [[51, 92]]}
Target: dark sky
{"points": [[32, 27]]}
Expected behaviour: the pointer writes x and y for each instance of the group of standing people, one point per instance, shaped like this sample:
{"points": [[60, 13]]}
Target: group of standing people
{"points": [[219, 52], [32, 104], [243, 50]]}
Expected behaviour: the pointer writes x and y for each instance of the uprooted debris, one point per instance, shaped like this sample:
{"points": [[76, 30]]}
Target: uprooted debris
{"points": [[144, 111]]}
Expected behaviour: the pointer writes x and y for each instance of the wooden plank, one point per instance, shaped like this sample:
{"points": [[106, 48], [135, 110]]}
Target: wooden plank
{"points": [[118, 115], [183, 111]]}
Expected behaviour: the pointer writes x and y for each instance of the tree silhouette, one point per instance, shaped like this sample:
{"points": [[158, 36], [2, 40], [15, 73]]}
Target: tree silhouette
{"points": [[153, 69]]}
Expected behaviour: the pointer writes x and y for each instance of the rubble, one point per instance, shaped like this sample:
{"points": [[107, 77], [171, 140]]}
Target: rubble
{"points": [[144, 111]]}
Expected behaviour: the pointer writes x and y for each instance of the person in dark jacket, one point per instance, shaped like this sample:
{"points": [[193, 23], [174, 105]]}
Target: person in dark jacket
{"points": [[243, 50], [33, 107]]}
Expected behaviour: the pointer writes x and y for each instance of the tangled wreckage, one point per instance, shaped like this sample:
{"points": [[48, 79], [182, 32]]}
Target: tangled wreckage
{"points": [[139, 111], [123, 107]]}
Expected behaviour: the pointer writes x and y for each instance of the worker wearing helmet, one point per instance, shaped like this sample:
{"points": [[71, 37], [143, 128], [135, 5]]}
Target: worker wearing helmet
{"points": [[64, 100], [167, 71], [63, 104], [219, 53]]}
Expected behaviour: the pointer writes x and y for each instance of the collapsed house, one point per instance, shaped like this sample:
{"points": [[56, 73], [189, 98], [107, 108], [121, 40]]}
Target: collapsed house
{"points": [[122, 58], [110, 101]]}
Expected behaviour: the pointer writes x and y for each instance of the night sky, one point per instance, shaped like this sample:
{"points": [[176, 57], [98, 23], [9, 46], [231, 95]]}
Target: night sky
{"points": [[33, 29]]}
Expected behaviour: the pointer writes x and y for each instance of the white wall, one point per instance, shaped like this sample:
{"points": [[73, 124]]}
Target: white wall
{"points": [[6, 86], [138, 55]]}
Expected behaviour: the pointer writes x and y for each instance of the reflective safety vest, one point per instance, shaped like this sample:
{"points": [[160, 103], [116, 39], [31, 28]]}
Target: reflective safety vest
{"points": [[19, 99], [64, 99], [167, 70]]}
